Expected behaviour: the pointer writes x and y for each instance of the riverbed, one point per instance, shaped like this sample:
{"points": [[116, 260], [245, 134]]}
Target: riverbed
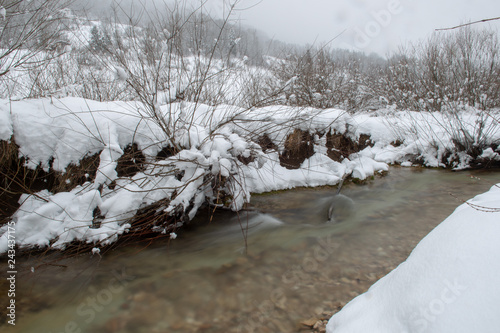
{"points": [[263, 270]]}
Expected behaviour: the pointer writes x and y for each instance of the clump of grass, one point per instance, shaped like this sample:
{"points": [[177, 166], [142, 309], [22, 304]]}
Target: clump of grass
{"points": [[16, 178], [341, 145], [298, 146], [131, 162]]}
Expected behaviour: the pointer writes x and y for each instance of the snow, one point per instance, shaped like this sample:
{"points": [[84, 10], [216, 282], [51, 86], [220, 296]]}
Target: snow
{"points": [[211, 141], [120, 73], [449, 283], [363, 167], [490, 154], [5, 123]]}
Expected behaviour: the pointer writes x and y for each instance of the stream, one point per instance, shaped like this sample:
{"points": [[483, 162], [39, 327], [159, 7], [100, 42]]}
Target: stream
{"points": [[266, 270]]}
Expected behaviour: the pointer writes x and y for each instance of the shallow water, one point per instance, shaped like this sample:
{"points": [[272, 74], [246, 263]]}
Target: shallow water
{"points": [[262, 272]]}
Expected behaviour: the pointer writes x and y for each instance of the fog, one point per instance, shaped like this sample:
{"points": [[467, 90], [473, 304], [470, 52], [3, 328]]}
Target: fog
{"points": [[378, 26], [365, 25]]}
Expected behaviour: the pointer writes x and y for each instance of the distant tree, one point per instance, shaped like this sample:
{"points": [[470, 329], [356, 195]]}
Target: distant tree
{"points": [[323, 78], [99, 41], [27, 29]]}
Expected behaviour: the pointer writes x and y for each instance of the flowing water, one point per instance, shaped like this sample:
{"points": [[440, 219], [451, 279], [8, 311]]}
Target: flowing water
{"points": [[264, 271]]}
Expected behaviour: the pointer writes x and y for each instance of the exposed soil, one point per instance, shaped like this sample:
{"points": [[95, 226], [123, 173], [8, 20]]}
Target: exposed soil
{"points": [[299, 146]]}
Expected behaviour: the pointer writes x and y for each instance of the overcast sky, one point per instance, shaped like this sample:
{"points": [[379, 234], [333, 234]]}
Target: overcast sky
{"points": [[367, 25]]}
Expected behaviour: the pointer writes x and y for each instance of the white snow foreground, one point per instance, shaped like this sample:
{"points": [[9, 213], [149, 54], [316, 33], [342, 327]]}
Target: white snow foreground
{"points": [[212, 142], [449, 283]]}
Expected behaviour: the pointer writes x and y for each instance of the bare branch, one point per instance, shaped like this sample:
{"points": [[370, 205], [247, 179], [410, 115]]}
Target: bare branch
{"points": [[470, 23]]}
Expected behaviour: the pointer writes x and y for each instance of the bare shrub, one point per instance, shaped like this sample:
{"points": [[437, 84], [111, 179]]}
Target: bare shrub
{"points": [[28, 29], [471, 135], [460, 66], [323, 78]]}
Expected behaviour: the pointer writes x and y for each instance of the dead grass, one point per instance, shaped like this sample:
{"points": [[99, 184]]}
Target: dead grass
{"points": [[131, 162], [299, 146], [16, 178], [341, 146]]}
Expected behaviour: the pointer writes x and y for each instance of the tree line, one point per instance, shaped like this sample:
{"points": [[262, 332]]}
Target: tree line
{"points": [[182, 53]]}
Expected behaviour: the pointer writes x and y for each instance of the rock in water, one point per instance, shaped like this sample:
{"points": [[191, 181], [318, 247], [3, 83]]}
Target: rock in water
{"points": [[341, 208]]}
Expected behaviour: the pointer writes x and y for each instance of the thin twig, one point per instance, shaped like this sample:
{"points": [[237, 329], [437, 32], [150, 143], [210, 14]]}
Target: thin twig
{"points": [[470, 23]]}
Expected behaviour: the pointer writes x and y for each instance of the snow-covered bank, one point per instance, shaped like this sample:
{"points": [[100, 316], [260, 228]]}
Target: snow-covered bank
{"points": [[215, 154], [214, 157], [449, 283]]}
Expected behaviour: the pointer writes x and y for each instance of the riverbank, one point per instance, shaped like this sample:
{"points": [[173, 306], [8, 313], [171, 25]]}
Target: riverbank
{"points": [[201, 281], [85, 173]]}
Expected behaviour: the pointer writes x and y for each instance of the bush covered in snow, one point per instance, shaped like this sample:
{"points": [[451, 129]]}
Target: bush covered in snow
{"points": [[196, 155], [167, 165]]}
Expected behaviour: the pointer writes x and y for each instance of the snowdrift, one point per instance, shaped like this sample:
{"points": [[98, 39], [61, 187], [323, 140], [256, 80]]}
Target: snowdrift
{"points": [[449, 283]]}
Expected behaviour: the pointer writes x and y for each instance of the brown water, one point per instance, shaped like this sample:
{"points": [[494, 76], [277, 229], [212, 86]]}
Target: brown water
{"points": [[296, 266]]}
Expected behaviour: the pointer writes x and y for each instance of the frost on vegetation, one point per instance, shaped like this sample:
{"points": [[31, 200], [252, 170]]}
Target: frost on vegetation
{"points": [[218, 160]]}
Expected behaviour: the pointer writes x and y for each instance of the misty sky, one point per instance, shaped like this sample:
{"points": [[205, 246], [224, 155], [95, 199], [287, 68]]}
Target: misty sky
{"points": [[365, 25]]}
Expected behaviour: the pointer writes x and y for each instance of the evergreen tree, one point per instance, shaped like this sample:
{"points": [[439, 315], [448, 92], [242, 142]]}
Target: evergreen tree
{"points": [[99, 41]]}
